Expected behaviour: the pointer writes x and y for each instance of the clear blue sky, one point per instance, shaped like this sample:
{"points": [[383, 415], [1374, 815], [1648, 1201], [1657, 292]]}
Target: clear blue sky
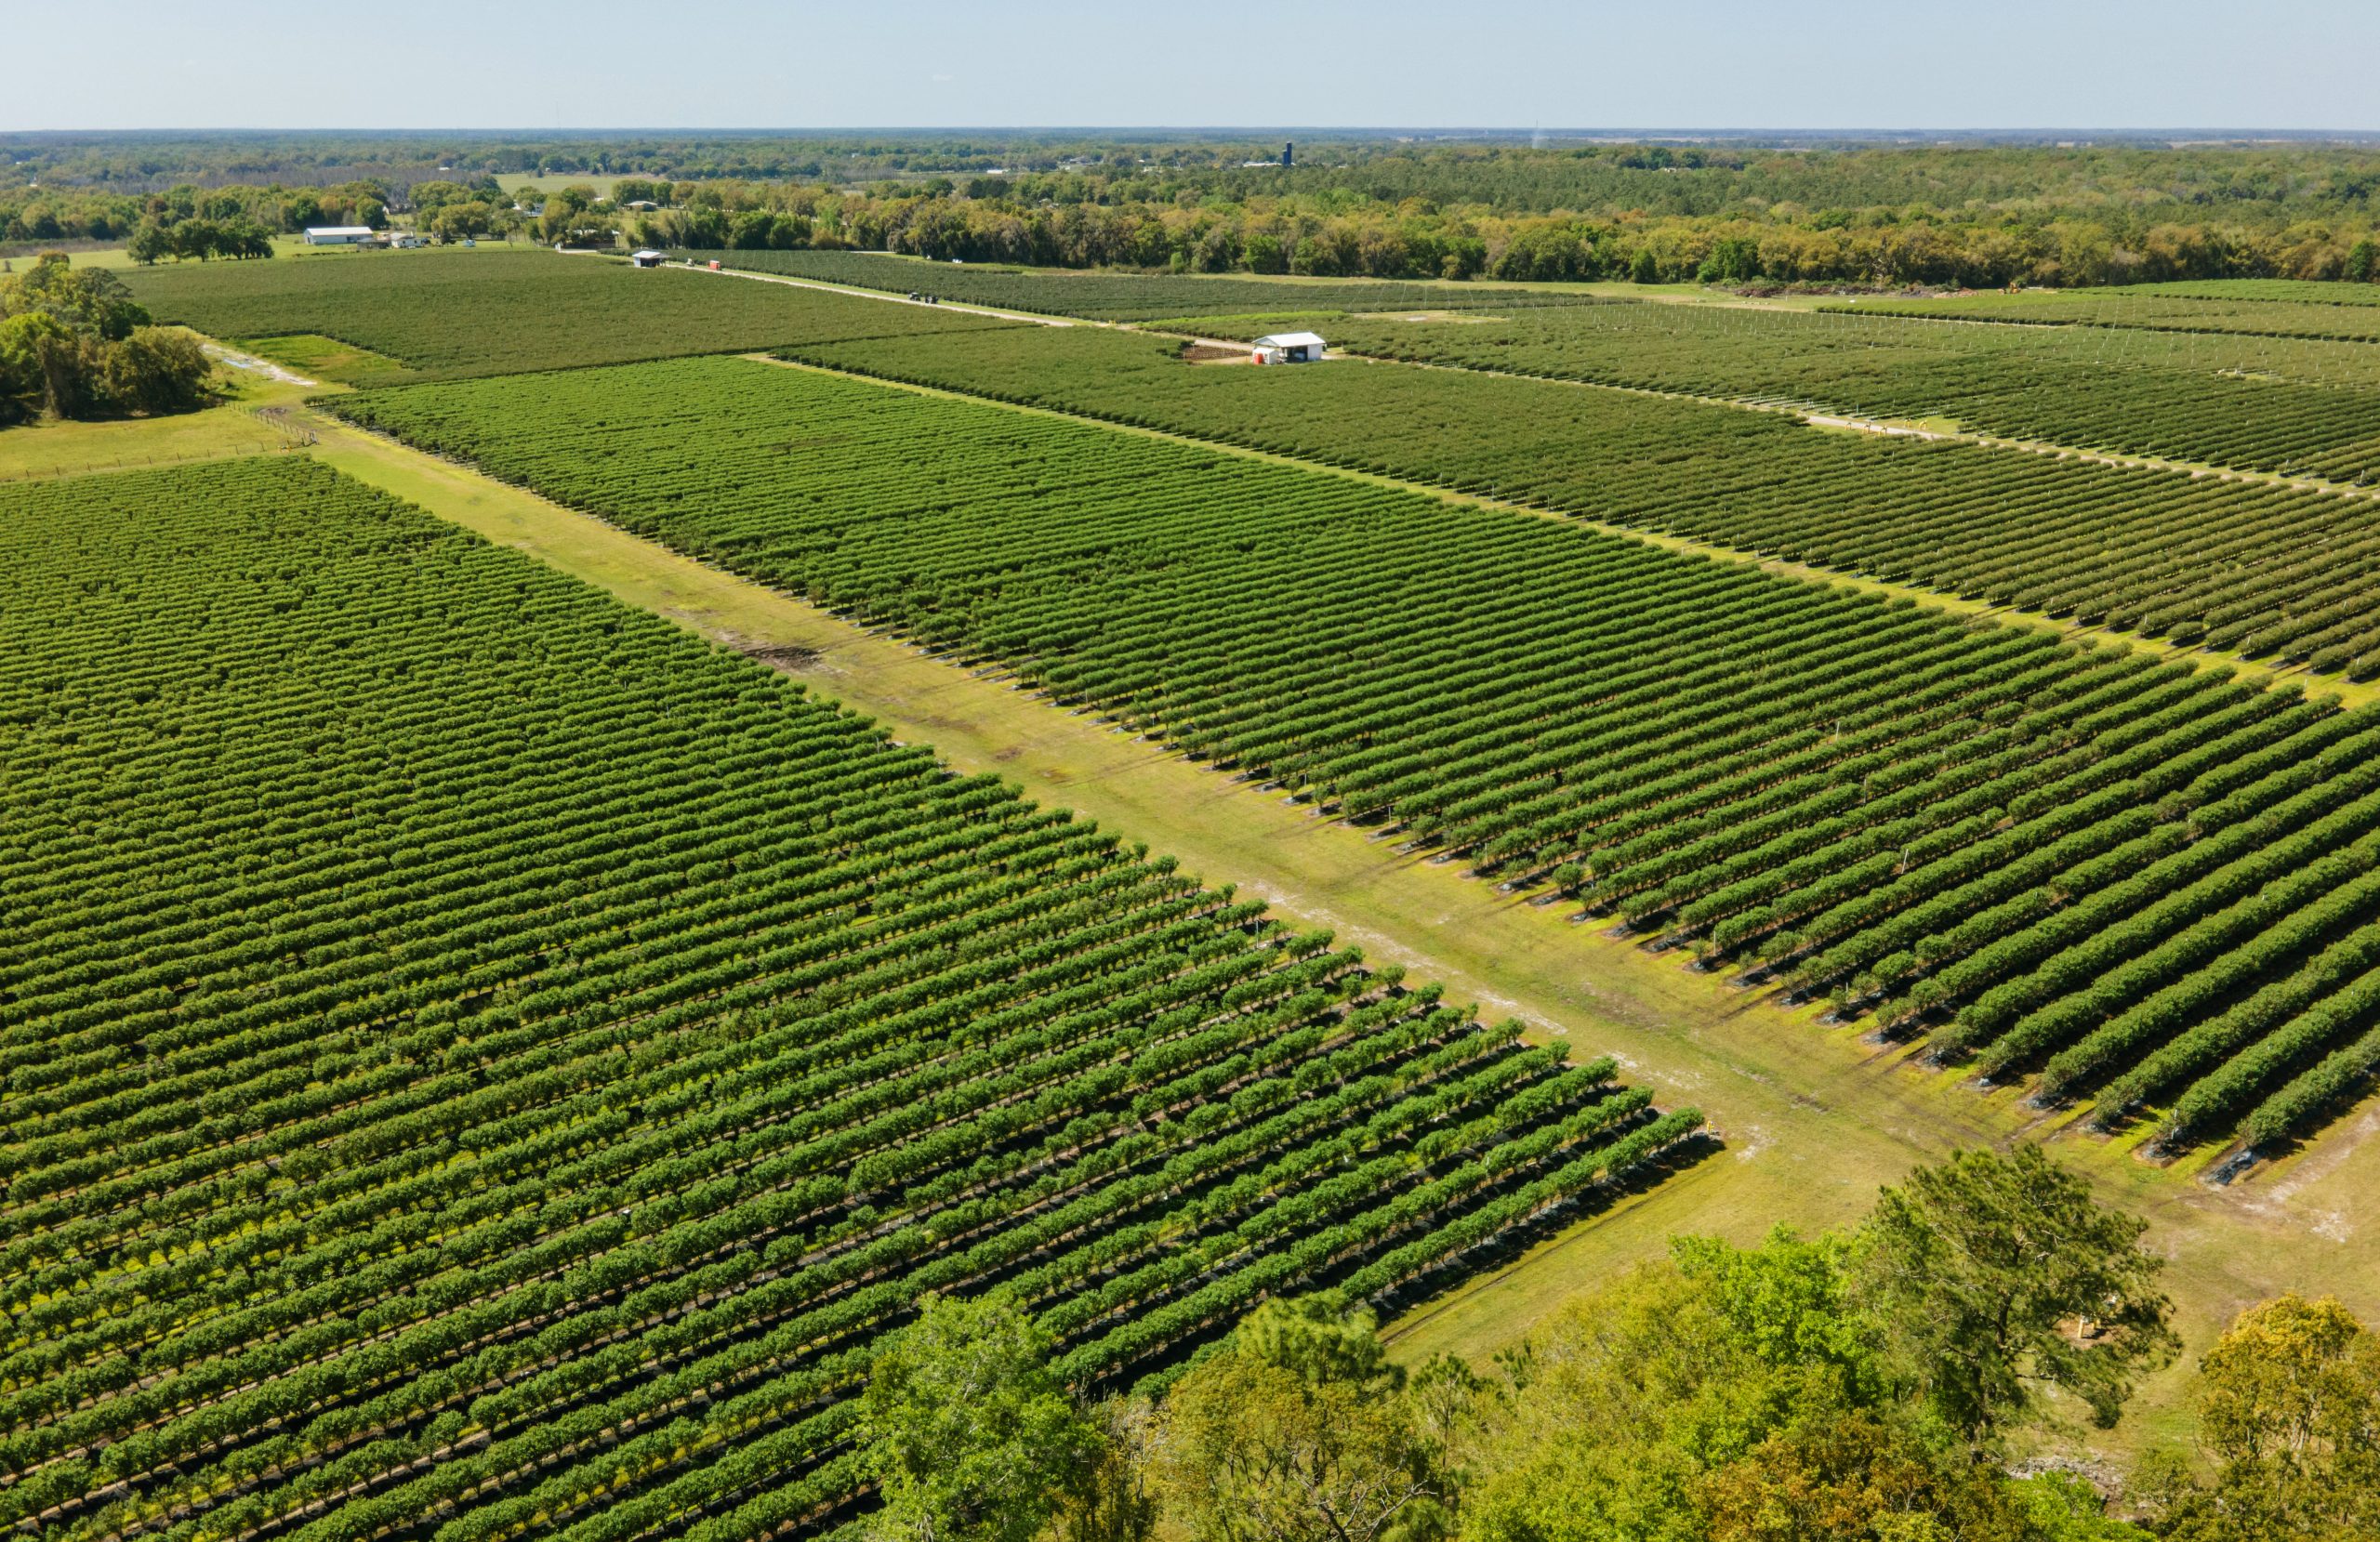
{"points": [[1519, 64]]}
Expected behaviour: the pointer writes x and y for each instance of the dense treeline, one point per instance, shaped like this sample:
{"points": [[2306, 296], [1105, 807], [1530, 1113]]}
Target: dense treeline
{"points": [[78, 214], [1971, 217], [1975, 215], [74, 343], [239, 220], [1068, 220], [1866, 1386], [140, 161], [2263, 183]]}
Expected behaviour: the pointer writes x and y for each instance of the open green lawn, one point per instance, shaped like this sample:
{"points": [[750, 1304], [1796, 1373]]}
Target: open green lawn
{"points": [[321, 358], [284, 248], [120, 260], [113, 258], [230, 427], [520, 181]]}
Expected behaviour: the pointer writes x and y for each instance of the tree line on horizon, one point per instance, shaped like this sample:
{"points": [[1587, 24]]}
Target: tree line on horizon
{"points": [[1964, 215]]}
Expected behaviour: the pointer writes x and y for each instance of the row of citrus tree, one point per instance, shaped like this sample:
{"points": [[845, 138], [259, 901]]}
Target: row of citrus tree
{"points": [[480, 1058], [1959, 825]]}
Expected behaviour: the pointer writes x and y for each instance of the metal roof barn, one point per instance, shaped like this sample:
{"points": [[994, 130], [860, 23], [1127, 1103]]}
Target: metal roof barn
{"points": [[1289, 347]]}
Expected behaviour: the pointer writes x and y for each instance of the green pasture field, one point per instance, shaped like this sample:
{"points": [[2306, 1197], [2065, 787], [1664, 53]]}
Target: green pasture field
{"points": [[231, 427], [530, 181], [119, 259], [324, 359]]}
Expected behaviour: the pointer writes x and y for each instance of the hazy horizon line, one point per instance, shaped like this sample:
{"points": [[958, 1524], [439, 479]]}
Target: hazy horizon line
{"points": [[1444, 130]]}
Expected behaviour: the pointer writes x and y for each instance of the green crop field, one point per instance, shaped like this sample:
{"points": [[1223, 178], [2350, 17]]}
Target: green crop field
{"points": [[439, 315], [2063, 861], [1708, 883], [2324, 310], [2303, 291], [2261, 403], [2272, 573], [1119, 296], [474, 1049]]}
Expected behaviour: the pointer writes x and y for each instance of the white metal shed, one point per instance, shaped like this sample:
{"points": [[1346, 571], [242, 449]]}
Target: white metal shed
{"points": [[1289, 347]]}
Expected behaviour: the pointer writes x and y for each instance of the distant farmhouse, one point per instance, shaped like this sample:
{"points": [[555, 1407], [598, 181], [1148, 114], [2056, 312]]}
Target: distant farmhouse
{"points": [[338, 235]]}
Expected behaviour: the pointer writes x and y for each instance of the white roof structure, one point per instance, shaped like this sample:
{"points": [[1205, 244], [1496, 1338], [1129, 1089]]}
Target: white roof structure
{"points": [[1289, 339], [313, 231]]}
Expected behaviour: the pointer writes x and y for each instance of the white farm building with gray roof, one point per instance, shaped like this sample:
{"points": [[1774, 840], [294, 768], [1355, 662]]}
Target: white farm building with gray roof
{"points": [[1289, 347]]}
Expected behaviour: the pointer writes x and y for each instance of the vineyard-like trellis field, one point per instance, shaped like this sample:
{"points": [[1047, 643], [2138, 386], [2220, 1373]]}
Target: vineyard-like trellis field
{"points": [[2260, 403], [2155, 307], [2306, 291], [481, 1062], [2269, 571], [448, 315], [1120, 296], [2147, 883]]}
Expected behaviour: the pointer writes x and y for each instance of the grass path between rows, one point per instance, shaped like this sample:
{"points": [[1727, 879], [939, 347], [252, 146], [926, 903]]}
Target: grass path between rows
{"points": [[1813, 1117], [34, 452]]}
